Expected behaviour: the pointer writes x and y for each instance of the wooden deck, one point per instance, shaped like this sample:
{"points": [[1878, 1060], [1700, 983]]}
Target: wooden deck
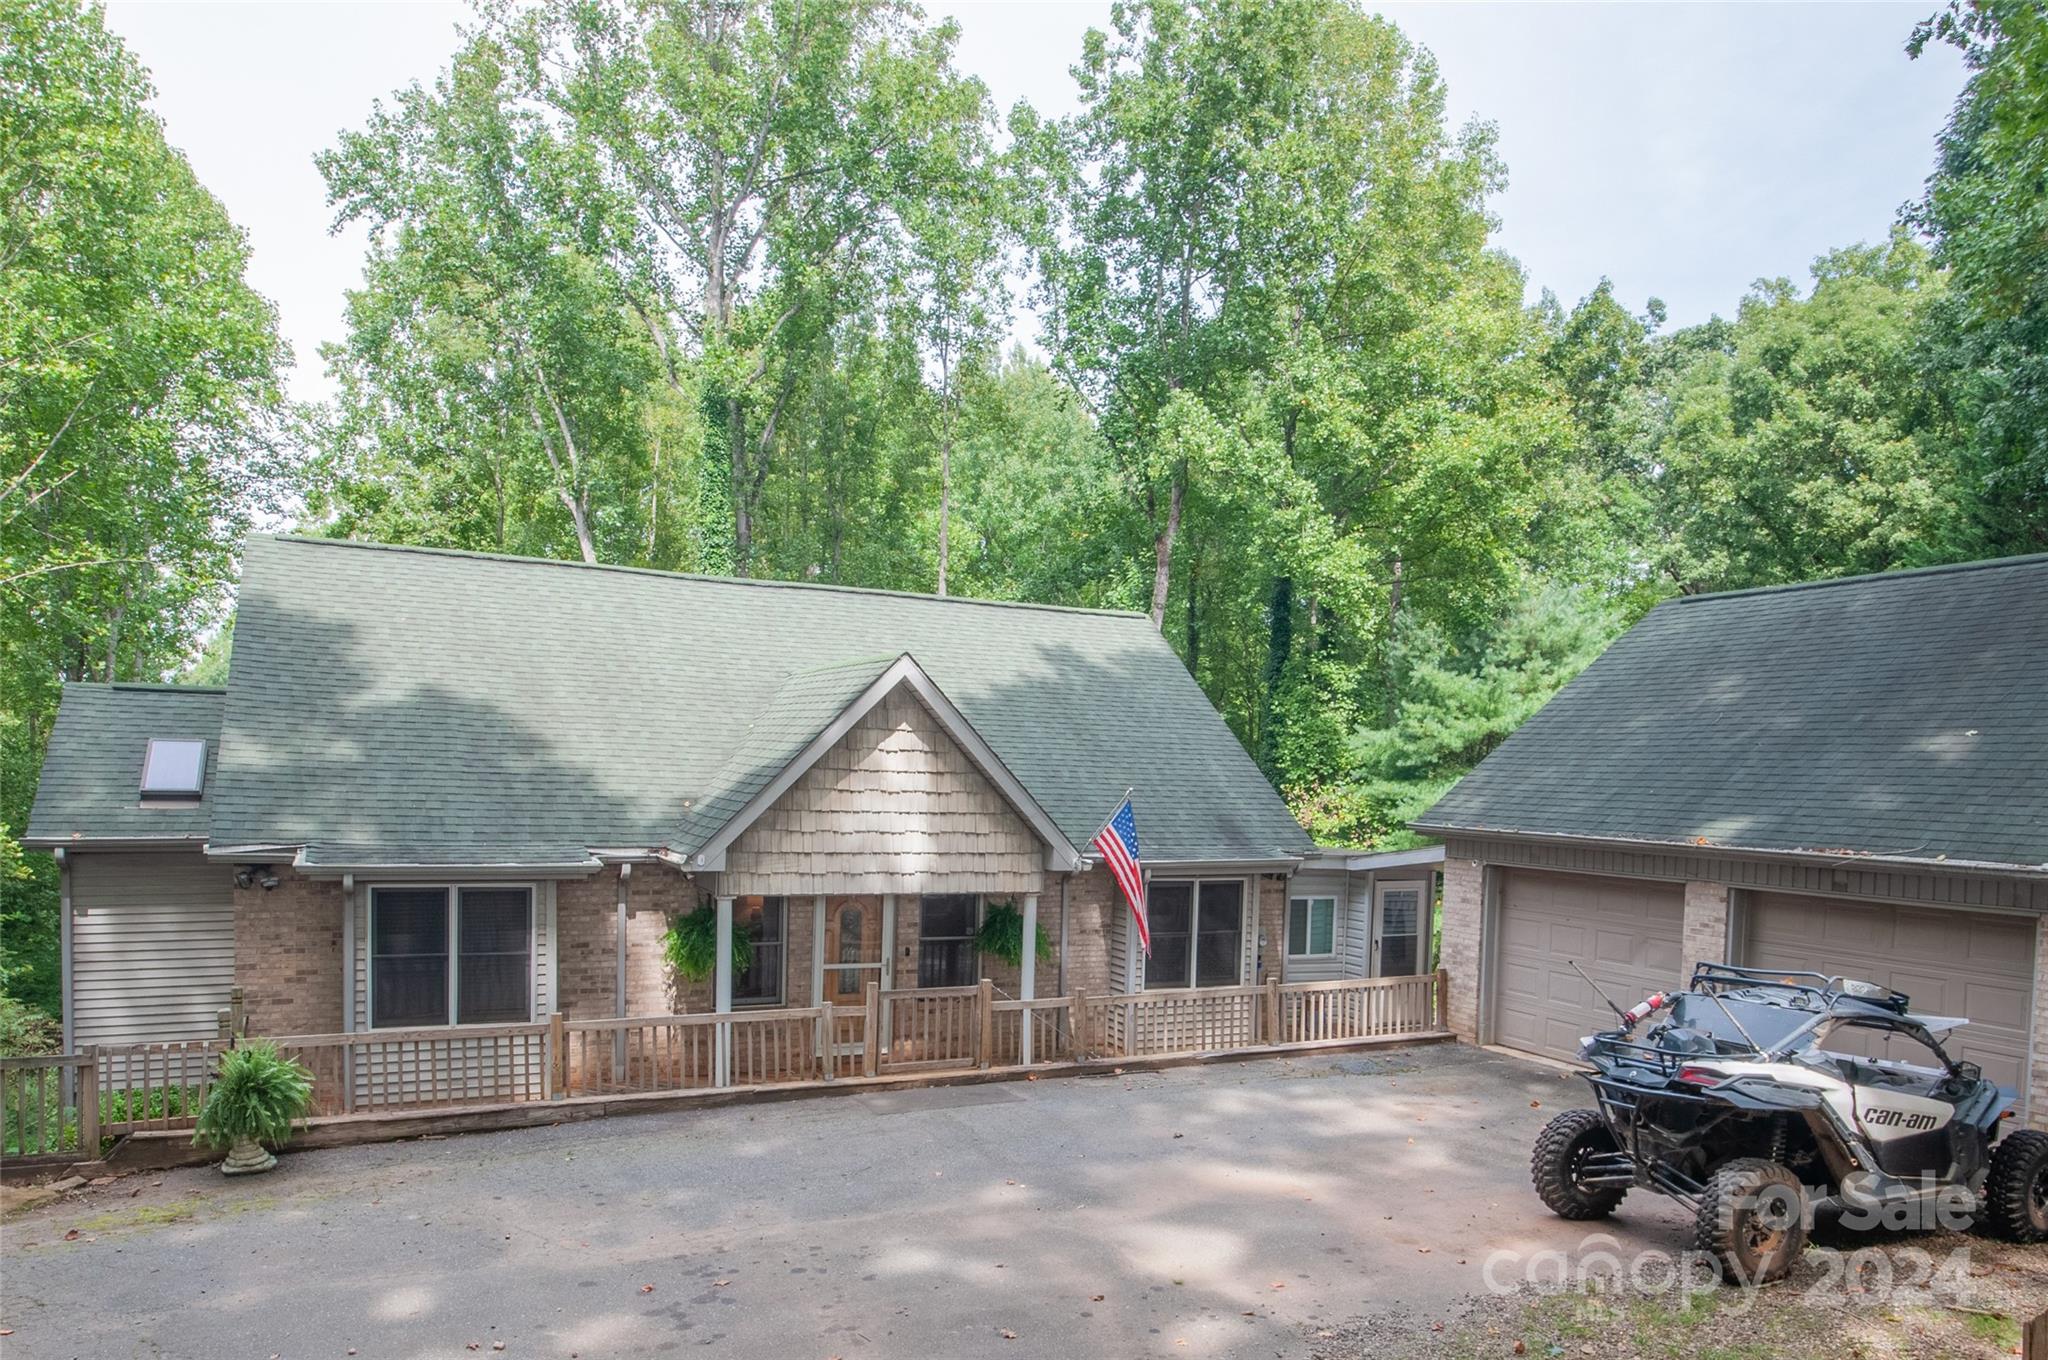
{"points": [[450, 1078]]}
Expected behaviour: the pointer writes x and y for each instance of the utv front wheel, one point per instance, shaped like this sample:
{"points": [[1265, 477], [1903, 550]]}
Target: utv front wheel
{"points": [[1752, 1221], [1562, 1160], [2016, 1191]]}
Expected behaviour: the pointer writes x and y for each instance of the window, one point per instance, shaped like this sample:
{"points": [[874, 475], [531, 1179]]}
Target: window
{"points": [[430, 947], [760, 919], [1312, 926], [946, 925], [1197, 933], [173, 768]]}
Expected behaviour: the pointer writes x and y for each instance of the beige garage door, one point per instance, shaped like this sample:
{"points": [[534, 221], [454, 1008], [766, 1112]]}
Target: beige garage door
{"points": [[1975, 964], [1624, 932]]}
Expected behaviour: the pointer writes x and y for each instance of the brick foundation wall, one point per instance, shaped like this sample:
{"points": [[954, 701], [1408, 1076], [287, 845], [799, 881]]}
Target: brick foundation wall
{"points": [[1705, 933], [288, 955], [586, 934], [1464, 911]]}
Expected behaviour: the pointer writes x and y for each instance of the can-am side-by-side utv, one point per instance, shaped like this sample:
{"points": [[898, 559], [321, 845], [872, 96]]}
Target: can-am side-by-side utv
{"points": [[1749, 1096]]}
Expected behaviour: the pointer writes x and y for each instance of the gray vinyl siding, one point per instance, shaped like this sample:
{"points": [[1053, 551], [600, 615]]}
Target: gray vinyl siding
{"points": [[153, 946], [1355, 940], [1319, 967]]}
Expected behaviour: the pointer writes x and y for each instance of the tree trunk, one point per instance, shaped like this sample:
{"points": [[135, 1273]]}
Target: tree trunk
{"points": [[1393, 620], [1194, 615], [1279, 646], [945, 501], [742, 515], [1162, 549]]}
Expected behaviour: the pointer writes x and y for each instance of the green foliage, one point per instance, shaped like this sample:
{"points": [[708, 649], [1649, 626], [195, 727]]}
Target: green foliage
{"points": [[140, 430], [25, 1030], [1987, 345], [1458, 699], [1002, 935], [258, 1094], [691, 945]]}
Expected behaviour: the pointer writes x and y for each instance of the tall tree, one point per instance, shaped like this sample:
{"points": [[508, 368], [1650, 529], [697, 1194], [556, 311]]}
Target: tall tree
{"points": [[1986, 208], [769, 153], [138, 398]]}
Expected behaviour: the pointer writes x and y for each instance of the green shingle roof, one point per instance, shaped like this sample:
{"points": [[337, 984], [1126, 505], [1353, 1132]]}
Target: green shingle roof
{"points": [[92, 777], [399, 705], [1903, 715]]}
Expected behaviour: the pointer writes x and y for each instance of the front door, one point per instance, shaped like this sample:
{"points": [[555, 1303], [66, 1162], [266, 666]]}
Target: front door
{"points": [[1397, 929], [853, 948]]}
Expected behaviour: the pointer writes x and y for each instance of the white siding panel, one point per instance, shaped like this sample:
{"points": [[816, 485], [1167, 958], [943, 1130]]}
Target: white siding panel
{"points": [[1357, 928], [153, 946], [1318, 967]]}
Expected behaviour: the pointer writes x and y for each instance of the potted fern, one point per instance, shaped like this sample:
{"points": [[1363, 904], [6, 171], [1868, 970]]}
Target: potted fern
{"points": [[691, 945], [257, 1097], [1002, 935]]}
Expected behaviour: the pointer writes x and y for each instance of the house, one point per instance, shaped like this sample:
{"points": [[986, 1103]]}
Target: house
{"points": [[444, 788], [1353, 914], [1846, 776]]}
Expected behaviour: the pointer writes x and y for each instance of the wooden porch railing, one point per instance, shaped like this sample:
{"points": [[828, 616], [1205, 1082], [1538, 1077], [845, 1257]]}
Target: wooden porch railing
{"points": [[65, 1103], [49, 1104]]}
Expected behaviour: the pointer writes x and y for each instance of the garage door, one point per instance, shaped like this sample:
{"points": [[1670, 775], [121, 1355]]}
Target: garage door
{"points": [[1976, 964], [1624, 932]]}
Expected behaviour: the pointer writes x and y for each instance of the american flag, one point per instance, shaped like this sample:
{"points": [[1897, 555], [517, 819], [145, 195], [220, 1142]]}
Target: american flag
{"points": [[1118, 842]]}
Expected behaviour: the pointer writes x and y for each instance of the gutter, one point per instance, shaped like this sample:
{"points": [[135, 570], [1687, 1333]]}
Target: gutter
{"points": [[1833, 858]]}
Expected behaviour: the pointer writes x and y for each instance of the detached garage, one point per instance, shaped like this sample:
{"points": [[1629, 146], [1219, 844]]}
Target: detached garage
{"points": [[1844, 777]]}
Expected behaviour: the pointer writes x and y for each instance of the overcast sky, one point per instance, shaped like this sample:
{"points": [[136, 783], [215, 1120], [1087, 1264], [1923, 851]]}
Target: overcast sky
{"points": [[1680, 150]]}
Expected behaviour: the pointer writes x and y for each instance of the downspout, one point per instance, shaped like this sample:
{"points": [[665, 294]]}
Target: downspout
{"points": [[625, 874], [64, 981], [619, 1039], [348, 953]]}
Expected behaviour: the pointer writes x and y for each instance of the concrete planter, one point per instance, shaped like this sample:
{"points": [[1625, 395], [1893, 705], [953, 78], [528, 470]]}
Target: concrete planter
{"points": [[247, 1157]]}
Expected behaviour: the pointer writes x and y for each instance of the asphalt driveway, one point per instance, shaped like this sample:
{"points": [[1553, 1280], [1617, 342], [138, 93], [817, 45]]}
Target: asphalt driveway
{"points": [[1235, 1209]]}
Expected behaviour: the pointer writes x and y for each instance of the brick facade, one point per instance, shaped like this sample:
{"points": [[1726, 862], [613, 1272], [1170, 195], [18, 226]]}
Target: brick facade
{"points": [[2037, 1075], [1464, 915], [288, 955], [1705, 933], [586, 934]]}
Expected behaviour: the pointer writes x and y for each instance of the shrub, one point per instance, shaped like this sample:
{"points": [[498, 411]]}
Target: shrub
{"points": [[1002, 935], [25, 1031], [259, 1094], [691, 945]]}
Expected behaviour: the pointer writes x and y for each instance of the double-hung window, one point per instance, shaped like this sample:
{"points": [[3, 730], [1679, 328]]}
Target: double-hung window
{"points": [[946, 927], [1311, 926], [761, 920], [451, 956], [1197, 933]]}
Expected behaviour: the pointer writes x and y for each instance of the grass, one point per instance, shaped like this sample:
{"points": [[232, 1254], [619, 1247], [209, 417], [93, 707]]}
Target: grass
{"points": [[1997, 1328]]}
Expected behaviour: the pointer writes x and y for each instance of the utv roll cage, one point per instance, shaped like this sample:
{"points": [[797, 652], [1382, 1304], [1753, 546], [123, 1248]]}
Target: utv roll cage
{"points": [[1627, 1073]]}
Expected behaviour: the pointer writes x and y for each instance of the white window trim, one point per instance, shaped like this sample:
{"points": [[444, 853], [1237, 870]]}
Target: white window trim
{"points": [[1309, 927], [1247, 927], [454, 901]]}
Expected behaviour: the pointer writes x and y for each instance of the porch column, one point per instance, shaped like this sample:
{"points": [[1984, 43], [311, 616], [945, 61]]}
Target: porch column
{"points": [[721, 990], [1027, 976], [818, 950]]}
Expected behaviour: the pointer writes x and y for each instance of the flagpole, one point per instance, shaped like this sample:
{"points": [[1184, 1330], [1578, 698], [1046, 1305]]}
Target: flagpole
{"points": [[1113, 811]]}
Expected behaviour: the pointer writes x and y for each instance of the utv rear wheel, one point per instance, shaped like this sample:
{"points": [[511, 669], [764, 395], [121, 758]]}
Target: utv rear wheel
{"points": [[1752, 1221], [2016, 1191], [1560, 1164]]}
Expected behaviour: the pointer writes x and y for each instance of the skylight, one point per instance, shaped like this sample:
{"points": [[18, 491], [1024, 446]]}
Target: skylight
{"points": [[173, 767]]}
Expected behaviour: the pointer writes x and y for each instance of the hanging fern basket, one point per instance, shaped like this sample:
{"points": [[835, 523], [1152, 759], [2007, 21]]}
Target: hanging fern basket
{"points": [[691, 946], [1002, 935]]}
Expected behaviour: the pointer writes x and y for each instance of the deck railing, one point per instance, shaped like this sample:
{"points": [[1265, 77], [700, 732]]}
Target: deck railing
{"points": [[65, 1103]]}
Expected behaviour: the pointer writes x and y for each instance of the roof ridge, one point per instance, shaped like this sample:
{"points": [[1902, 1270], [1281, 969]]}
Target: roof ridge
{"points": [[832, 586], [1865, 578]]}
